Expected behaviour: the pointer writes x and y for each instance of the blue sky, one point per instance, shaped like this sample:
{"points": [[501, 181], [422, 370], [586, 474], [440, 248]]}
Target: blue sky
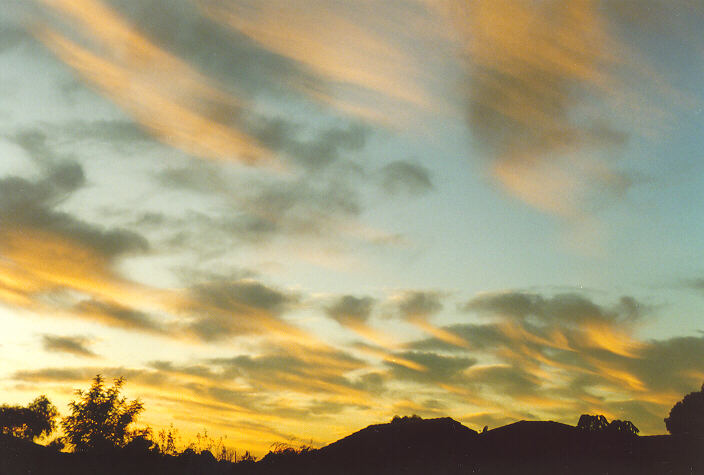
{"points": [[294, 219]]}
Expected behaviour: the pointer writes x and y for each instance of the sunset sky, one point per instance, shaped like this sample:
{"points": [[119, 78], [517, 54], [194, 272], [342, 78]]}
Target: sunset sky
{"points": [[284, 220]]}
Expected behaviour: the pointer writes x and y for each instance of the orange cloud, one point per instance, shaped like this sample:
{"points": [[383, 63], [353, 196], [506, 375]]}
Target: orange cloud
{"points": [[368, 65], [161, 92]]}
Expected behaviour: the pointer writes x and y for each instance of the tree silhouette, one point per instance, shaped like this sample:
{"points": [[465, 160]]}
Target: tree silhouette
{"points": [[622, 427], [687, 416], [591, 423], [36, 420], [99, 420]]}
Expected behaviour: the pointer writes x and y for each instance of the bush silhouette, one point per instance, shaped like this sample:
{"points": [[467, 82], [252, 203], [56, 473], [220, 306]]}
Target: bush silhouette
{"points": [[38, 419], [406, 419], [599, 423], [99, 420], [687, 416], [622, 427], [591, 423]]}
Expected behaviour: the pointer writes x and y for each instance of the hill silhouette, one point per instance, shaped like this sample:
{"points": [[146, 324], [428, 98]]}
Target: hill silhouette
{"points": [[403, 446], [444, 446]]}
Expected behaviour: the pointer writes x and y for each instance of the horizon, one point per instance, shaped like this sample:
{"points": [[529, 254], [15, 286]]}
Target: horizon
{"points": [[283, 221]]}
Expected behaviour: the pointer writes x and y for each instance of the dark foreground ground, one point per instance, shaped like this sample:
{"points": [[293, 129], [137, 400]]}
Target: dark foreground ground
{"points": [[430, 446]]}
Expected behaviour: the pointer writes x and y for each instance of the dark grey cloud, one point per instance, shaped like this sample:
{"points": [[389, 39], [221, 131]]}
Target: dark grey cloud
{"points": [[439, 368], [198, 177], [197, 369], [113, 132], [511, 380], [272, 365], [38, 146], [56, 374], [12, 36], [669, 364], [319, 370], [420, 304], [479, 336], [258, 211], [325, 147], [562, 308], [694, 284], [75, 345], [226, 308], [84, 375], [246, 297], [32, 204], [402, 177], [350, 309], [235, 61], [268, 372], [117, 315]]}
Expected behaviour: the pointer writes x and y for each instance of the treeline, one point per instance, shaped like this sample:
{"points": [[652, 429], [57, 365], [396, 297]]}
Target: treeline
{"points": [[98, 436], [100, 421]]}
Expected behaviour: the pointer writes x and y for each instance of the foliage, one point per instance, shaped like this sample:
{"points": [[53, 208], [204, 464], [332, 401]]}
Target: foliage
{"points": [[599, 423], [590, 423], [622, 427], [216, 447], [166, 441], [281, 451], [100, 419], [404, 419], [687, 416], [141, 442], [57, 444], [245, 458], [38, 419]]}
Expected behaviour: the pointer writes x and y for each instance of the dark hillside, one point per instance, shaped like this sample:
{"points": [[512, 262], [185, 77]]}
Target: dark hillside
{"points": [[403, 446], [407, 446]]}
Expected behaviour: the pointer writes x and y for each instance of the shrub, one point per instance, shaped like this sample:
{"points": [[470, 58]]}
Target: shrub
{"points": [[38, 419], [622, 427], [590, 423], [100, 419], [687, 416]]}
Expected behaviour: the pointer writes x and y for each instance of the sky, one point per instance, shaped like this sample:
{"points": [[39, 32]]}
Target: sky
{"points": [[282, 221]]}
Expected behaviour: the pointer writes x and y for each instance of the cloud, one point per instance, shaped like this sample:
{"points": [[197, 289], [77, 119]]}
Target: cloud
{"points": [[350, 309], [317, 375], [31, 205], [373, 77], [54, 262], [562, 308], [354, 313], [671, 364], [86, 373], [325, 147], [419, 304], [694, 284], [401, 177], [510, 380], [261, 211], [116, 132], [223, 309], [417, 308], [439, 368], [75, 345], [164, 94], [117, 315], [540, 80], [10, 38], [565, 353]]}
